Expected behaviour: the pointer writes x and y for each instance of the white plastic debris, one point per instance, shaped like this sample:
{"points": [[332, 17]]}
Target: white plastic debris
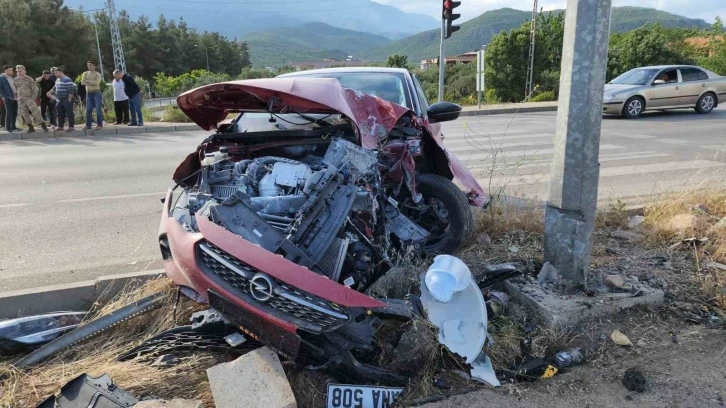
{"points": [[446, 276], [462, 318], [482, 370]]}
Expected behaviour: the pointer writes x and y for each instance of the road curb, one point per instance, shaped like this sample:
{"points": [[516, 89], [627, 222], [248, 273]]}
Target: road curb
{"points": [[70, 296], [106, 131], [508, 111]]}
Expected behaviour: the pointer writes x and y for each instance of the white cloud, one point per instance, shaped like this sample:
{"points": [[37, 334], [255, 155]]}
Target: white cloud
{"points": [[705, 9]]}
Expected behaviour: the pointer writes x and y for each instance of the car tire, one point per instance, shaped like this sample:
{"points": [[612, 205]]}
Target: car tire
{"points": [[435, 188], [633, 107], [706, 103]]}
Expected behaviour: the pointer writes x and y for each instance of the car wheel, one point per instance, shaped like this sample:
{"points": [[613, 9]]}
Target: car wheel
{"points": [[633, 107], [706, 103], [444, 211]]}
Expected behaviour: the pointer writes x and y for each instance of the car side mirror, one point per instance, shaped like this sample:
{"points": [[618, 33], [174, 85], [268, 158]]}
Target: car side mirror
{"points": [[658, 82], [443, 112]]}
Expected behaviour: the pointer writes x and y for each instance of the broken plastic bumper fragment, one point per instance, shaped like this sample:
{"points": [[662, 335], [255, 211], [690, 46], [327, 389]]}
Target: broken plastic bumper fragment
{"points": [[462, 320], [22, 332], [446, 276]]}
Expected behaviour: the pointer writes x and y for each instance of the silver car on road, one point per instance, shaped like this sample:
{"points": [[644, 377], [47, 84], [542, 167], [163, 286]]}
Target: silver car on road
{"points": [[664, 87]]}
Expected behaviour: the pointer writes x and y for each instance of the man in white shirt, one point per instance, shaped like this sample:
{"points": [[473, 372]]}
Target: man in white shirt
{"points": [[120, 102]]}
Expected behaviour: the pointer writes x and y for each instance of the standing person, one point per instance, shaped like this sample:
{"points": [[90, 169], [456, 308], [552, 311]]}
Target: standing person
{"points": [[134, 93], [2, 113], [27, 91], [120, 100], [91, 79], [8, 93], [63, 93], [47, 107]]}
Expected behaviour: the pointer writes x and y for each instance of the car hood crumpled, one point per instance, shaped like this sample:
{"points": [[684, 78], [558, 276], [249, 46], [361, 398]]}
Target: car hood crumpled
{"points": [[373, 117]]}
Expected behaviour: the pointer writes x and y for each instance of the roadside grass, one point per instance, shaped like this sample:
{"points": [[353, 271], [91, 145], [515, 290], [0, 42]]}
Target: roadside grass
{"points": [[27, 388], [174, 115]]}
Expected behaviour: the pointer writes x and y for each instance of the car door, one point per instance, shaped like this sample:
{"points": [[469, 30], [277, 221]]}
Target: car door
{"points": [[692, 86], [663, 95]]}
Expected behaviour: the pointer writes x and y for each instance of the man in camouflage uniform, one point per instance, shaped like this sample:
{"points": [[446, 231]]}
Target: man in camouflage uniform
{"points": [[27, 91]]}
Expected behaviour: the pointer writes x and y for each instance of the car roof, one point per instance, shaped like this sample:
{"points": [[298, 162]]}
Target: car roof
{"points": [[669, 66], [345, 69]]}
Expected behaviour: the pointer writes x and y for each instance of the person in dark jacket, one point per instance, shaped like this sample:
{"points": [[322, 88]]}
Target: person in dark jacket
{"points": [[47, 107], [9, 95], [133, 91]]}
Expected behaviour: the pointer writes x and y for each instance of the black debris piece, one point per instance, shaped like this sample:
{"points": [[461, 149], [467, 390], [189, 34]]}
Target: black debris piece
{"points": [[85, 391], [634, 380]]}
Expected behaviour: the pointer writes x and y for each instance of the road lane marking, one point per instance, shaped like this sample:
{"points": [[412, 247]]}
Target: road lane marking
{"points": [[78, 200], [14, 205], [634, 170], [629, 136], [522, 153], [603, 158], [673, 141]]}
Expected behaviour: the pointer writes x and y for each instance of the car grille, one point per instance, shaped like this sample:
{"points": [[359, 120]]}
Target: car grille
{"points": [[303, 309]]}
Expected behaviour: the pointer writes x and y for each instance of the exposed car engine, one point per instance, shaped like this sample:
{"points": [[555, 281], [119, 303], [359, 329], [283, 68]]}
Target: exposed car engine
{"points": [[329, 214]]}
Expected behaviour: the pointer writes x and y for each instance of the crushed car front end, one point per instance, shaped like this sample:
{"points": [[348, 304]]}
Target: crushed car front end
{"points": [[283, 222]]}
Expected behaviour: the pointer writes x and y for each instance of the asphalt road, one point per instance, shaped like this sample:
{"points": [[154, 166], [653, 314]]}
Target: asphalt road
{"points": [[79, 208]]}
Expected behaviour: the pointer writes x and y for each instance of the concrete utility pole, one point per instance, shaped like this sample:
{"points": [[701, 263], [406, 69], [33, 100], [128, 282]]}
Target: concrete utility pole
{"points": [[570, 214], [530, 69], [442, 61]]}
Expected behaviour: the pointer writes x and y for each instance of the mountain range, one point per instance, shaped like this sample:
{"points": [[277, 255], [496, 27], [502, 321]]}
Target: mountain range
{"points": [[234, 19], [479, 31]]}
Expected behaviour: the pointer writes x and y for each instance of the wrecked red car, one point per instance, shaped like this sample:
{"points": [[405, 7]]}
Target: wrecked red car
{"points": [[291, 210]]}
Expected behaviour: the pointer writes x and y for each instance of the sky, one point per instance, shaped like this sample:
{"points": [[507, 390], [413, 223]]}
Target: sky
{"points": [[704, 9]]}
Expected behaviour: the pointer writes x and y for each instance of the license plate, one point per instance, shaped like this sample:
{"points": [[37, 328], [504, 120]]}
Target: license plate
{"points": [[361, 396]]}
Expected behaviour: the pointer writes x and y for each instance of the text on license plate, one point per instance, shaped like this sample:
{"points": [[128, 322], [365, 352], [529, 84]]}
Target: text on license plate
{"points": [[361, 396]]}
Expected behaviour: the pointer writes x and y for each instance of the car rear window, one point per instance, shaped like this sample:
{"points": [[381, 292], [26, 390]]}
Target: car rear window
{"points": [[693, 74]]}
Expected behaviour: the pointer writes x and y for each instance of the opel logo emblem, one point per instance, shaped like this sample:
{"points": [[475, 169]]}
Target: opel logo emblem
{"points": [[261, 287]]}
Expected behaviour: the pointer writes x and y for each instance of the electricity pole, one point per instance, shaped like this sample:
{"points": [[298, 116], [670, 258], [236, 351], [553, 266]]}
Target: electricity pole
{"points": [[530, 69], [442, 61], [98, 45], [118, 50], [570, 213]]}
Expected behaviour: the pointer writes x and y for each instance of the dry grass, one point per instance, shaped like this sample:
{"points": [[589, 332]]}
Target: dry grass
{"points": [[693, 215], [507, 214], [98, 356]]}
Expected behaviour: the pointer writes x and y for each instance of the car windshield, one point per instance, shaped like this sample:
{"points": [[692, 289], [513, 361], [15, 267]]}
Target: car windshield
{"points": [[386, 85], [638, 76]]}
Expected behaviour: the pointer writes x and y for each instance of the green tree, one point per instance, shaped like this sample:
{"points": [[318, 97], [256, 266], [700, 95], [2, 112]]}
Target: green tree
{"points": [[647, 45], [397, 61], [507, 58]]}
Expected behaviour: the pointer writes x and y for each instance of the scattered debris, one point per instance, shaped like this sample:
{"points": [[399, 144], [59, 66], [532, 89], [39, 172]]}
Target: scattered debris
{"points": [[714, 265], [550, 372], [513, 249], [462, 321], [626, 235], [93, 328], [635, 221], [634, 380], [700, 209], [363, 396], [568, 358], [548, 274], [534, 369], [483, 239], [166, 361], [25, 332], [447, 275], [85, 391], [614, 281], [175, 403], [255, 379], [497, 303], [482, 370], [620, 339]]}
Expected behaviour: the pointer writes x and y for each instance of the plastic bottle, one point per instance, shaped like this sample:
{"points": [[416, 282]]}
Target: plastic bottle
{"points": [[567, 358]]}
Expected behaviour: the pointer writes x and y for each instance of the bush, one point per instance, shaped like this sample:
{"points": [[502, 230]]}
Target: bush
{"points": [[545, 96], [174, 114]]}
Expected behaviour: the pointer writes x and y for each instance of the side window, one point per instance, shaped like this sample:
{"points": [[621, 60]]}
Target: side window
{"points": [[670, 76], [421, 96], [693, 74]]}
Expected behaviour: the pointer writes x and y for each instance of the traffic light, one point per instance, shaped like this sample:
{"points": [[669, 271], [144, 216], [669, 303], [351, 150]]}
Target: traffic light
{"points": [[449, 17]]}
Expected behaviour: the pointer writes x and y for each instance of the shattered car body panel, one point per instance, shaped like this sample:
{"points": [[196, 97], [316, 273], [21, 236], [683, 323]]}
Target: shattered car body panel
{"points": [[292, 210], [209, 105]]}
